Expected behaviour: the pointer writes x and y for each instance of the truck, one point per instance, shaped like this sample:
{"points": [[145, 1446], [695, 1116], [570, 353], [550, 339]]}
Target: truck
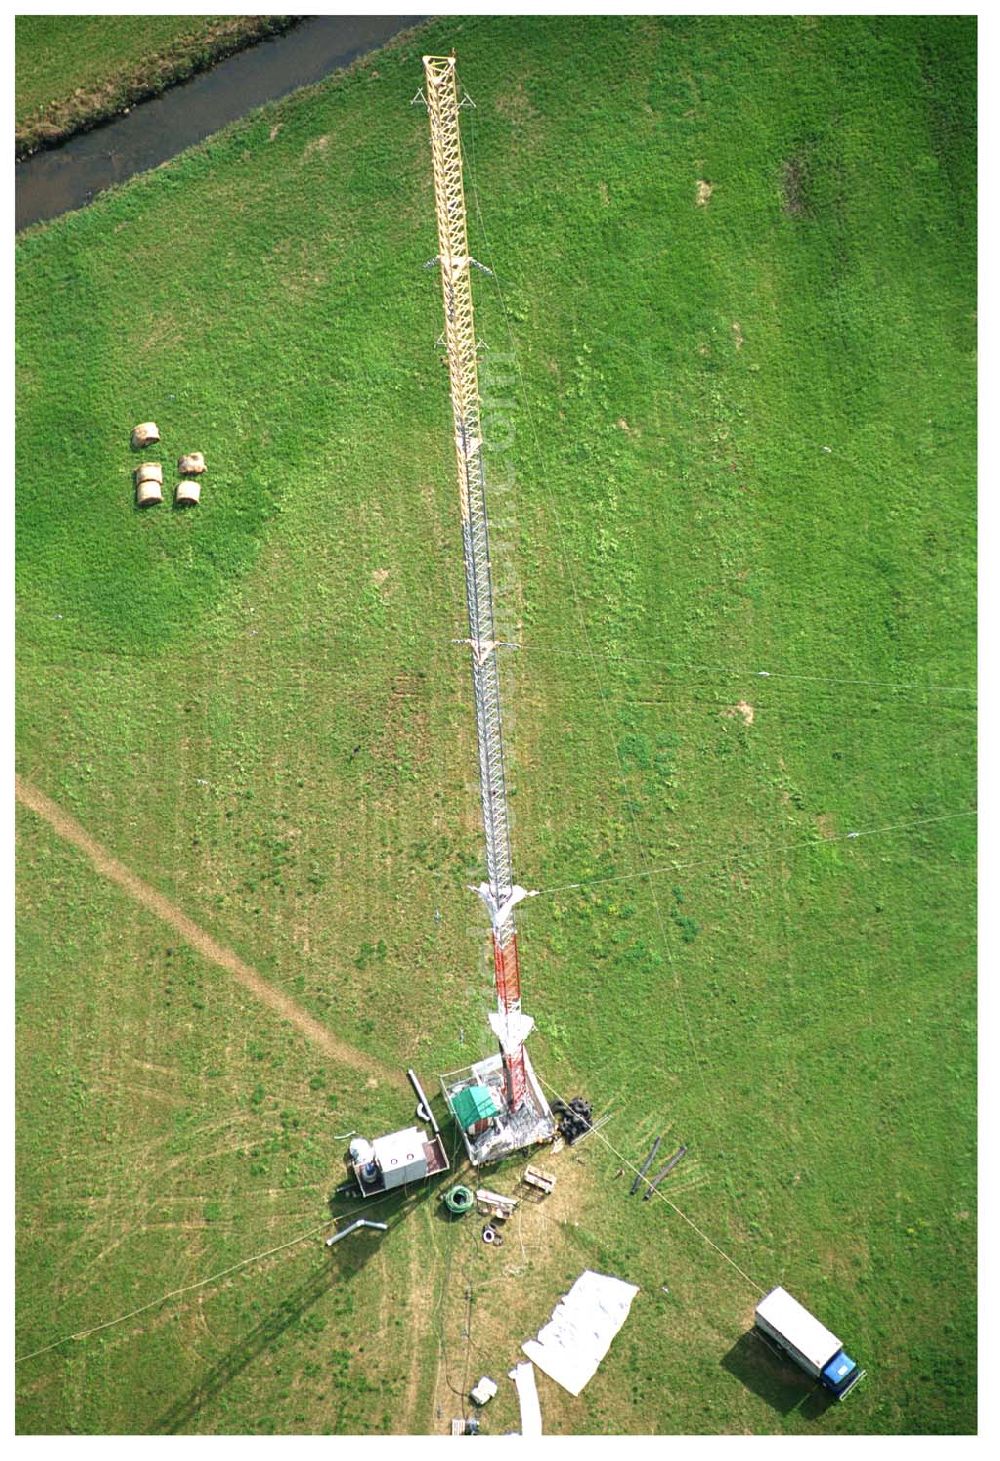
{"points": [[808, 1342]]}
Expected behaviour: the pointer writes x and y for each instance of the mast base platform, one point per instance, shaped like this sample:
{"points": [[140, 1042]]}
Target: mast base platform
{"points": [[532, 1125]]}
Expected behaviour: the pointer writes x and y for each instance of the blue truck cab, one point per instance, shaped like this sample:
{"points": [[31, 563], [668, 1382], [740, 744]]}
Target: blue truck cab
{"points": [[840, 1374]]}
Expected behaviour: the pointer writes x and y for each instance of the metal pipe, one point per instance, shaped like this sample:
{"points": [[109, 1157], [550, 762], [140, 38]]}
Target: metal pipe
{"points": [[424, 1105], [652, 1186], [361, 1223], [645, 1167]]}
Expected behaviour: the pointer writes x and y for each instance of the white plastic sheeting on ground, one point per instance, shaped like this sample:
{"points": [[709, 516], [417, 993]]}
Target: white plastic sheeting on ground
{"points": [[523, 1376], [572, 1344]]}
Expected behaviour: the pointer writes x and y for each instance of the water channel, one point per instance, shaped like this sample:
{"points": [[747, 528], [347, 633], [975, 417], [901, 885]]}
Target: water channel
{"points": [[70, 176]]}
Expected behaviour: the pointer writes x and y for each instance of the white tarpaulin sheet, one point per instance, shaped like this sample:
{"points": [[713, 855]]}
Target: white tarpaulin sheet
{"points": [[523, 1376], [572, 1344]]}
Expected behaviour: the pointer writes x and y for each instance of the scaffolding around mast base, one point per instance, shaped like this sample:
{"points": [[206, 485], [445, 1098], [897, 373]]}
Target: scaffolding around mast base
{"points": [[507, 1132]]}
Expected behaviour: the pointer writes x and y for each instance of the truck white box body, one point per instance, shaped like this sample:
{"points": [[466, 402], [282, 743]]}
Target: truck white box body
{"points": [[795, 1329]]}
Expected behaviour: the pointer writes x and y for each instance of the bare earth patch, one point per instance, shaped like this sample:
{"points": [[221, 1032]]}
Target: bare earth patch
{"points": [[737, 334], [742, 709], [515, 106], [794, 181], [704, 193], [514, 1287], [316, 144], [379, 575]]}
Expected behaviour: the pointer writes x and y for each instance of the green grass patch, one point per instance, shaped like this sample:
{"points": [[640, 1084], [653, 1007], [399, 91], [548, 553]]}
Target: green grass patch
{"points": [[743, 440]]}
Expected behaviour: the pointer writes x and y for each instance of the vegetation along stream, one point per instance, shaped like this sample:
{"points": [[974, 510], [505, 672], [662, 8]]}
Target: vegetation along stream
{"points": [[70, 176]]}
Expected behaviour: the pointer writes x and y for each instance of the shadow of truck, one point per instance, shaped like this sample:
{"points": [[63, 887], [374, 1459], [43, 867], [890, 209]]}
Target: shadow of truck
{"points": [[775, 1377]]}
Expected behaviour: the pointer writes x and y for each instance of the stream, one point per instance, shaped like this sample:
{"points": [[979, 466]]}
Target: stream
{"points": [[70, 176]]}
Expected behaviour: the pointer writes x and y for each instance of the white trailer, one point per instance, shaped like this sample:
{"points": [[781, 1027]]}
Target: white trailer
{"points": [[392, 1161]]}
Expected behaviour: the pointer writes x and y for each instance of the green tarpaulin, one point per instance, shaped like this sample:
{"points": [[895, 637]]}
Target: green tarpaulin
{"points": [[472, 1104]]}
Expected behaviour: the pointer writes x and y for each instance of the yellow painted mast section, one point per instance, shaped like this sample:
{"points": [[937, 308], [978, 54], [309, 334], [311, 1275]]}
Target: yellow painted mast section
{"points": [[453, 242]]}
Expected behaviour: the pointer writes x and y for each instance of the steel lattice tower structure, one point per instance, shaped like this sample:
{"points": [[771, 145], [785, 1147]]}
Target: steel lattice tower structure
{"points": [[499, 892]]}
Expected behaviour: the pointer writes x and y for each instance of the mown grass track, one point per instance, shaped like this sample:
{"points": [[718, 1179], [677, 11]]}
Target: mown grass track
{"points": [[258, 709]]}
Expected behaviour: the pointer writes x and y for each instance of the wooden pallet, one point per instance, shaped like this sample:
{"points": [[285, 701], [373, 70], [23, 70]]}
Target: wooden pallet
{"points": [[535, 1177], [494, 1204]]}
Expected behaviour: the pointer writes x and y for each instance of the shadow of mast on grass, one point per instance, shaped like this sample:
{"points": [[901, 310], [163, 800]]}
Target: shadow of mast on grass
{"points": [[334, 1266], [331, 1270]]}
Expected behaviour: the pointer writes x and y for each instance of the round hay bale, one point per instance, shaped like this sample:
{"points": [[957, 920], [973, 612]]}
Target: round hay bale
{"points": [[149, 472], [187, 493], [191, 465], [148, 493], [144, 435]]}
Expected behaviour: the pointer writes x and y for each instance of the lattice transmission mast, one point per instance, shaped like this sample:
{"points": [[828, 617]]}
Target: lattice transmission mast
{"points": [[500, 893]]}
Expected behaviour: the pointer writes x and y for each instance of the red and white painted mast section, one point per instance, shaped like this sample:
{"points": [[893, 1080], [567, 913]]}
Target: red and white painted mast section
{"points": [[507, 969], [510, 1024]]}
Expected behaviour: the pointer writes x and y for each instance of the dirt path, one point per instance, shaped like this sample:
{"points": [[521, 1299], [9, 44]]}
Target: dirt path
{"points": [[71, 831]]}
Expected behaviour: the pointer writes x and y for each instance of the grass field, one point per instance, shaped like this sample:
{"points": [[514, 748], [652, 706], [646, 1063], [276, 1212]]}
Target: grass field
{"points": [[731, 367], [72, 71]]}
